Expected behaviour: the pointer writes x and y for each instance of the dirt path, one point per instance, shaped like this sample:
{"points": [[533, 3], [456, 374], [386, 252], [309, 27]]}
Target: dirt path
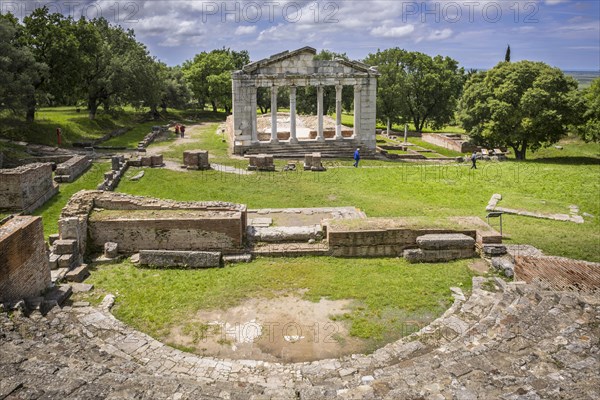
{"points": [[287, 329]]}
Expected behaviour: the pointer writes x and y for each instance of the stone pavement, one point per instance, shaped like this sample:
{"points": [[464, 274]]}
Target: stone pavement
{"points": [[506, 341]]}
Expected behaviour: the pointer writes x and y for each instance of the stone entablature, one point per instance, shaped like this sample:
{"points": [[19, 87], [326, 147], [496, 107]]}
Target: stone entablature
{"points": [[298, 69]]}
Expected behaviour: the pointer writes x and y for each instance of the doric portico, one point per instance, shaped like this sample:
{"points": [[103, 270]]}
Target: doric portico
{"points": [[299, 69]]}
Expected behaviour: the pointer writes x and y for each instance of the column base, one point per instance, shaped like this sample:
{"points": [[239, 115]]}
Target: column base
{"points": [[293, 140], [274, 141], [320, 139]]}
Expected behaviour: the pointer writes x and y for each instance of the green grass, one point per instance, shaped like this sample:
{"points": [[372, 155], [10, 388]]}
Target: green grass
{"points": [[440, 150], [386, 290], [412, 190], [50, 211]]}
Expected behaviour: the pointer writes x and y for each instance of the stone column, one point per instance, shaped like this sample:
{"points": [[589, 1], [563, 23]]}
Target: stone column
{"points": [[254, 105], [320, 136], [338, 111], [293, 138], [357, 104], [274, 114]]}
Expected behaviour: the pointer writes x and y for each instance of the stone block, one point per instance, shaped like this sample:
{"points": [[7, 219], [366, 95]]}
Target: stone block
{"points": [[53, 260], [196, 159], [445, 241], [180, 259], [53, 238], [65, 246], [157, 160], [66, 261], [79, 274], [111, 250], [434, 256], [494, 250], [146, 161]]}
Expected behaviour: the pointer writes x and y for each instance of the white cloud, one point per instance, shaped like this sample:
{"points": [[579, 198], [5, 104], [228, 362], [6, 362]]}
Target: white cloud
{"points": [[245, 30], [440, 34], [395, 32]]}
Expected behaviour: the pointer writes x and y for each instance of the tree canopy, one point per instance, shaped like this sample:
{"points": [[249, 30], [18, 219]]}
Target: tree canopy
{"points": [[209, 75], [524, 105], [416, 87], [589, 126]]}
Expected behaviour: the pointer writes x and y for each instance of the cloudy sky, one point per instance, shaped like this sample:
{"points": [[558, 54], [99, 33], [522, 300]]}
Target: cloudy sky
{"points": [[563, 33]]}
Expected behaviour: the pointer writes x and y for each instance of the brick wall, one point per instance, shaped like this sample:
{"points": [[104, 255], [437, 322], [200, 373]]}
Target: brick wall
{"points": [[24, 269], [26, 187]]}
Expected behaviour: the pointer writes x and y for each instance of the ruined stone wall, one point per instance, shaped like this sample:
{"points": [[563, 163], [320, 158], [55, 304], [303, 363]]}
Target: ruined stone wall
{"points": [[135, 223], [449, 143], [26, 187], [151, 230], [72, 169], [379, 243], [24, 269]]}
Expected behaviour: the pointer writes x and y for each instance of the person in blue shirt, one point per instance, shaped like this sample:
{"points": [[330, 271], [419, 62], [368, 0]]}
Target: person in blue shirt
{"points": [[356, 157]]}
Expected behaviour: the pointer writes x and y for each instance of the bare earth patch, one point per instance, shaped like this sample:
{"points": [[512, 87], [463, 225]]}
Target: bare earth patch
{"points": [[284, 329]]}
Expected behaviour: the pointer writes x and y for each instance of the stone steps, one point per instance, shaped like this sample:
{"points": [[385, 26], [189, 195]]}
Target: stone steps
{"points": [[329, 149]]}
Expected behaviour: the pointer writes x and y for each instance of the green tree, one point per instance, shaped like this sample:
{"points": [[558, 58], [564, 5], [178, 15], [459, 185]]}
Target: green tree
{"points": [[524, 105], [176, 92], [19, 71], [427, 88], [207, 73], [53, 42], [589, 124], [507, 55]]}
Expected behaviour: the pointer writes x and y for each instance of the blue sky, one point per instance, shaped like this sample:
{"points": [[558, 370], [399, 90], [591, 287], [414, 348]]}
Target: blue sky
{"points": [[562, 33]]}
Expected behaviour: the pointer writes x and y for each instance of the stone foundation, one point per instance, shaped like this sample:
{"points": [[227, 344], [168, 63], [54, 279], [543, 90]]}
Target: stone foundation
{"points": [[27, 187], [134, 223], [24, 269], [180, 259], [390, 237], [261, 162], [312, 162], [450, 141], [196, 159], [71, 169]]}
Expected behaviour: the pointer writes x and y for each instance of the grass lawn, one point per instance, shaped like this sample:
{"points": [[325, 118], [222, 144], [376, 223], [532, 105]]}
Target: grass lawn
{"points": [[386, 291], [50, 211], [407, 189]]}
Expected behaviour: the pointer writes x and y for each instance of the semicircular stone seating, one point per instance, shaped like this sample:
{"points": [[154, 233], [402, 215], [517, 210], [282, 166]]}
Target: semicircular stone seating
{"points": [[506, 341]]}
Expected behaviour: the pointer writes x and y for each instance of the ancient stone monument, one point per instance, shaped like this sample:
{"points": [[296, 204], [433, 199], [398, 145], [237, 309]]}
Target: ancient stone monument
{"points": [[196, 159], [24, 269], [27, 187], [299, 69]]}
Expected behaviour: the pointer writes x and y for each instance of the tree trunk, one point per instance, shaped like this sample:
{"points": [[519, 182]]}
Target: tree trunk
{"points": [[520, 153], [30, 116], [214, 105], [227, 110], [389, 126], [92, 108], [163, 105], [154, 112]]}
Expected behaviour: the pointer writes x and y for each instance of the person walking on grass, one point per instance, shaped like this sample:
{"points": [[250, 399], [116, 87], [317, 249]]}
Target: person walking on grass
{"points": [[176, 129], [182, 129], [356, 157], [474, 160]]}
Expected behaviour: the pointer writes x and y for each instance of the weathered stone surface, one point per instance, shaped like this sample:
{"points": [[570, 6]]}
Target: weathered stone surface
{"points": [[430, 256], [281, 234], [196, 159], [509, 343], [504, 265], [261, 162], [494, 250], [65, 246], [111, 250], [79, 274], [72, 169], [24, 267], [182, 259], [445, 241], [27, 187]]}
